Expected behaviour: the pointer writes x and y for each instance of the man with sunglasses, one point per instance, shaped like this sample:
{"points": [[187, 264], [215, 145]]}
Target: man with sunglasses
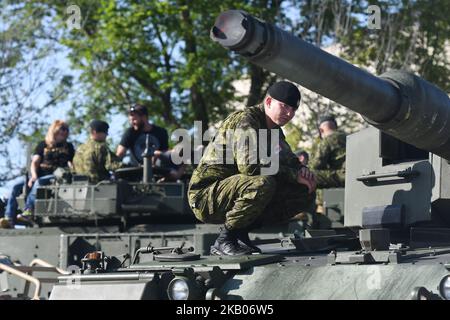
{"points": [[134, 140], [134, 137]]}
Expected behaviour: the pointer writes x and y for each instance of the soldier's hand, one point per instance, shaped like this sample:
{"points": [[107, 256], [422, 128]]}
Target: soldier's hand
{"points": [[307, 178]]}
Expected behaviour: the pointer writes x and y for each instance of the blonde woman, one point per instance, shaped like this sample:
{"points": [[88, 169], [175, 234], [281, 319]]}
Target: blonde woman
{"points": [[50, 154]]}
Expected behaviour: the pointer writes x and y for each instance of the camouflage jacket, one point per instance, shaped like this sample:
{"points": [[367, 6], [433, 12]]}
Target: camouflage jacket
{"points": [[330, 153], [223, 159], [95, 160]]}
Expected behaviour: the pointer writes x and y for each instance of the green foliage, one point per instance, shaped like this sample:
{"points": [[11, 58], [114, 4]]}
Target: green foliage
{"points": [[414, 36], [293, 135], [157, 53], [30, 82]]}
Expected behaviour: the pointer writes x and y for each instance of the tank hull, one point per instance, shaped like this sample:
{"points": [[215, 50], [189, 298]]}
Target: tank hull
{"points": [[339, 282]]}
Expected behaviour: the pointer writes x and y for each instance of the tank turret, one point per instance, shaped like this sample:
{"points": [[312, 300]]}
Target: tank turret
{"points": [[396, 177]]}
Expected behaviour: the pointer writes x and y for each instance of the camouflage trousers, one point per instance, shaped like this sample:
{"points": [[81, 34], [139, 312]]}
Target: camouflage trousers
{"points": [[330, 178], [242, 201]]}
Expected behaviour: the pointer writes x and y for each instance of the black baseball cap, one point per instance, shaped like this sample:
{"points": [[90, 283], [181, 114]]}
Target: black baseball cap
{"points": [[327, 117], [99, 126], [138, 108], [285, 92]]}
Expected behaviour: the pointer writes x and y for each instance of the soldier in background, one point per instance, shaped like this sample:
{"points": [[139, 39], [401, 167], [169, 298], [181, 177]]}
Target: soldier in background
{"points": [[237, 194], [302, 156], [94, 158], [328, 163]]}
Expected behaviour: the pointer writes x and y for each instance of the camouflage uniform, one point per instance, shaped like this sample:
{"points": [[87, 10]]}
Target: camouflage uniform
{"points": [[236, 193], [328, 163], [95, 160]]}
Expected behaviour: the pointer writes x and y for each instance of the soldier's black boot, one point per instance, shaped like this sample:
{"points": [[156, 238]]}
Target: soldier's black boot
{"points": [[244, 241], [227, 244]]}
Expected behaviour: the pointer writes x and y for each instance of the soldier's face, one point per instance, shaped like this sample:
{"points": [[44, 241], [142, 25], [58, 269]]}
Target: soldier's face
{"points": [[279, 112], [99, 136]]}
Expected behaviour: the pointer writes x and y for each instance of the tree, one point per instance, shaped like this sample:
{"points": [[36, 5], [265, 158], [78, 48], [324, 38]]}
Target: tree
{"points": [[413, 37], [157, 53], [322, 23], [29, 81]]}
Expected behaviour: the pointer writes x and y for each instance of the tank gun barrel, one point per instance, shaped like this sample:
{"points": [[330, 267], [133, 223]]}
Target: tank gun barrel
{"points": [[399, 103]]}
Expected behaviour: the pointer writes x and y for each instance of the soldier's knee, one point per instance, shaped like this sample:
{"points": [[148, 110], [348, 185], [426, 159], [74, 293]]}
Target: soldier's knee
{"points": [[262, 187], [16, 190]]}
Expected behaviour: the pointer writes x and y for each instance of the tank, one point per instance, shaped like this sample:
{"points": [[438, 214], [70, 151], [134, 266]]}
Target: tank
{"points": [[396, 239], [74, 217]]}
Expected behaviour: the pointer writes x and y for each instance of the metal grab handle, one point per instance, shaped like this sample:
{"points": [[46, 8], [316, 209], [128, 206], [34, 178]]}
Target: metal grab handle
{"points": [[25, 276], [372, 177], [42, 263], [26, 273]]}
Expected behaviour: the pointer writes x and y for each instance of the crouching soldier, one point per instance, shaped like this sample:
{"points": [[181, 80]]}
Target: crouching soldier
{"points": [[242, 194], [93, 158]]}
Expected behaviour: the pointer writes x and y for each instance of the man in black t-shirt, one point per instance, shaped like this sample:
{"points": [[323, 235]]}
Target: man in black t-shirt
{"points": [[134, 140], [134, 137]]}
